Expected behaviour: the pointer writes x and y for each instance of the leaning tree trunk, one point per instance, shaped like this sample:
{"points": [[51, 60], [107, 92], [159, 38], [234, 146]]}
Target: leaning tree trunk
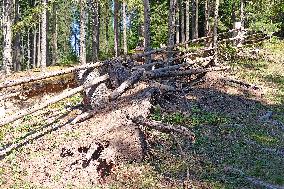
{"points": [[116, 29], [194, 19], [7, 33], [215, 38], [124, 27], [44, 35], [147, 31], [171, 34], [54, 34], [83, 32], [95, 42]]}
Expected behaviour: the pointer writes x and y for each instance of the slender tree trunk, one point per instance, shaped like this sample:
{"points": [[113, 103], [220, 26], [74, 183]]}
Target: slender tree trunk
{"points": [[7, 32], [177, 21], [95, 41], [233, 16], [147, 30], [29, 49], [44, 35], [171, 34], [194, 19], [17, 42], [83, 31], [39, 46], [242, 14], [124, 27], [107, 26], [182, 21], [215, 39], [34, 47], [206, 20], [187, 20], [54, 34], [116, 28]]}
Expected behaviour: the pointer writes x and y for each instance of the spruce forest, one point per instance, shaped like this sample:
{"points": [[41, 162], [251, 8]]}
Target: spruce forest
{"points": [[142, 94]]}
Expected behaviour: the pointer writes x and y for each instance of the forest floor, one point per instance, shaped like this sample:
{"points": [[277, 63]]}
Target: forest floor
{"points": [[239, 136]]}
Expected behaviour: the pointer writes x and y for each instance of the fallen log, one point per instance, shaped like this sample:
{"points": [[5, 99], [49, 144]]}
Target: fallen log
{"points": [[48, 75], [165, 73], [53, 100], [134, 78], [164, 127], [6, 96]]}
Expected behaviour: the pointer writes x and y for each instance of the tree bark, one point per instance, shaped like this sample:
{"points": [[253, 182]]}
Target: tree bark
{"points": [[107, 26], [44, 35], [34, 48], [39, 46], [52, 100], [233, 16], [242, 14], [83, 58], [116, 28], [124, 27], [147, 30], [54, 34], [194, 19], [8, 34]]}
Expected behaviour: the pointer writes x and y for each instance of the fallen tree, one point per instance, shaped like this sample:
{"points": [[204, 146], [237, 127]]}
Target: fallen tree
{"points": [[53, 100], [11, 83]]}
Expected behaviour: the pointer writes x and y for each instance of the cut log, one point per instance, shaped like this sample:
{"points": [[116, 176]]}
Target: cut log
{"points": [[134, 78], [164, 127], [155, 74], [48, 75], [53, 100]]}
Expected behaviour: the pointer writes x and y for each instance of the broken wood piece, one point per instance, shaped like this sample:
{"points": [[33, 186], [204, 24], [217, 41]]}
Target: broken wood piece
{"points": [[134, 78], [163, 87], [52, 100], [164, 127]]}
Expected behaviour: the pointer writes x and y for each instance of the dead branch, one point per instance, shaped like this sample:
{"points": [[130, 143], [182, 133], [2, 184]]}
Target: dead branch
{"points": [[164, 127], [53, 100], [48, 75]]}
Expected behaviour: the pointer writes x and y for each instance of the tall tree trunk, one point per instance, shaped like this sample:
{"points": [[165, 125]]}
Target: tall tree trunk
{"points": [[187, 20], [147, 30], [83, 31], [54, 34], [29, 49], [242, 14], [194, 19], [124, 27], [215, 38], [182, 21], [233, 16], [116, 28], [95, 41], [44, 35], [206, 20], [39, 46], [34, 47], [107, 26], [177, 21], [7, 33], [171, 34], [17, 42]]}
